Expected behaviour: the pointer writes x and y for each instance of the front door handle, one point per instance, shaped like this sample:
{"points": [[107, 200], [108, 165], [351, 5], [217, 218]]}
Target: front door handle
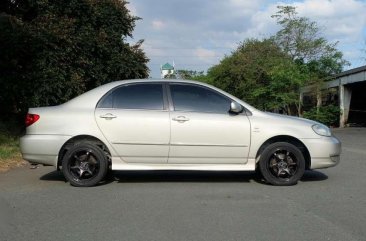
{"points": [[108, 116], [180, 119]]}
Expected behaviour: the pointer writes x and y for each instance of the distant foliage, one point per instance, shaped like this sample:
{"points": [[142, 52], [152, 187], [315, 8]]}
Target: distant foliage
{"points": [[52, 51], [188, 74], [328, 115]]}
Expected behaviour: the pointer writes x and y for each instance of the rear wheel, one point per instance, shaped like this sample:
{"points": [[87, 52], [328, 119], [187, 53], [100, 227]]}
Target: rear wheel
{"points": [[84, 165], [282, 164]]}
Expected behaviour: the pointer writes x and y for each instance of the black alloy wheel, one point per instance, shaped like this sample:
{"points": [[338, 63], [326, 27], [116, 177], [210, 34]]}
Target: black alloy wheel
{"points": [[84, 165], [282, 164]]}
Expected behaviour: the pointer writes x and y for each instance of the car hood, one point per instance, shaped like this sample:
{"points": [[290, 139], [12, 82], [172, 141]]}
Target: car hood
{"points": [[294, 119]]}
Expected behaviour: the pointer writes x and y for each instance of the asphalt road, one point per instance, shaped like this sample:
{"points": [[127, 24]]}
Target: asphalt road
{"points": [[328, 204]]}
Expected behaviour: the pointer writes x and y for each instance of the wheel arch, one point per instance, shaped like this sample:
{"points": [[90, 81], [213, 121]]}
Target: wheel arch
{"points": [[81, 138], [289, 139]]}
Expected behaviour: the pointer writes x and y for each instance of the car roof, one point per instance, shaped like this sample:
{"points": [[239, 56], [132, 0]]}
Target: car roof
{"points": [[90, 98], [118, 82]]}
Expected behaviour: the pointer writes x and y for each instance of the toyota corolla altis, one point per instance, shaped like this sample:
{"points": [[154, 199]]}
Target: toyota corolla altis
{"points": [[172, 125]]}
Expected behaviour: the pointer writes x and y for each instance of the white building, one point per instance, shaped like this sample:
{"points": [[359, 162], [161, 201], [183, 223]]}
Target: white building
{"points": [[167, 70]]}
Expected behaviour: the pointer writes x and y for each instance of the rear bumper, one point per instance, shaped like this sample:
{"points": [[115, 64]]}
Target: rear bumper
{"points": [[42, 149], [324, 152]]}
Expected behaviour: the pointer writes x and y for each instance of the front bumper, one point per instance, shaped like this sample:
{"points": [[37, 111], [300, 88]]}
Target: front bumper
{"points": [[324, 152], [42, 149]]}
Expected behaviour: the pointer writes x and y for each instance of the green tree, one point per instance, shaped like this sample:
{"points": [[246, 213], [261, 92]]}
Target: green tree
{"points": [[52, 50], [260, 73], [301, 39]]}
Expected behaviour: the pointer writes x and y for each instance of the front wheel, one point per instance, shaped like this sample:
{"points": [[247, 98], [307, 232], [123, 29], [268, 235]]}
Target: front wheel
{"points": [[84, 165], [282, 164]]}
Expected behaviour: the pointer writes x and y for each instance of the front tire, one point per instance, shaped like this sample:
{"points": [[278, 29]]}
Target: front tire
{"points": [[84, 165], [282, 164]]}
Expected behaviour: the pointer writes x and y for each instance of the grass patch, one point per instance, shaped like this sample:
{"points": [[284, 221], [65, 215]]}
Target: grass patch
{"points": [[10, 155]]}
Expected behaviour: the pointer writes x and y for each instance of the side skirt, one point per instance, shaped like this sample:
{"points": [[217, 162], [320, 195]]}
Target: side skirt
{"points": [[117, 164]]}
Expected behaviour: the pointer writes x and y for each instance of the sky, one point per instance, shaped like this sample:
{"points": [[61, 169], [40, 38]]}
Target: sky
{"points": [[197, 34]]}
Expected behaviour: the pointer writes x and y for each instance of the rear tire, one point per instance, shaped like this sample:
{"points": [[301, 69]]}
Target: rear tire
{"points": [[282, 164], [84, 165]]}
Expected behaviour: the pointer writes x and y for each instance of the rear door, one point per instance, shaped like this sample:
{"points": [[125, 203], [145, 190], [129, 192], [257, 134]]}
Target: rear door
{"points": [[202, 129], [135, 120]]}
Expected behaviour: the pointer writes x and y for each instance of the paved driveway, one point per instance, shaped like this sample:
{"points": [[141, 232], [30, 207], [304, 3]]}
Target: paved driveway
{"points": [[328, 204]]}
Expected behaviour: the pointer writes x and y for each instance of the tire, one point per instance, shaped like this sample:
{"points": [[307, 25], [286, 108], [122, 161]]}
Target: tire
{"points": [[84, 165], [258, 172], [282, 164]]}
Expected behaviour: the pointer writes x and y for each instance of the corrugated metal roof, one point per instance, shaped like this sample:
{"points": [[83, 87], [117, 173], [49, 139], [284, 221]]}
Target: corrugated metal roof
{"points": [[351, 71]]}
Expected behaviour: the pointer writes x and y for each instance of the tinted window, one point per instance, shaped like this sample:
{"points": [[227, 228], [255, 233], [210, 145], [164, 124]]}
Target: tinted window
{"points": [[135, 96], [200, 99]]}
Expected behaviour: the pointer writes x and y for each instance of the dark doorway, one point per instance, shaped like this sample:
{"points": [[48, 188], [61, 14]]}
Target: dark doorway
{"points": [[357, 113]]}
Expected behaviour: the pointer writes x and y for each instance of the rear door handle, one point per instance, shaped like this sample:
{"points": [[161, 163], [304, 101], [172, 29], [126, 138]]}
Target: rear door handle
{"points": [[180, 119], [108, 116]]}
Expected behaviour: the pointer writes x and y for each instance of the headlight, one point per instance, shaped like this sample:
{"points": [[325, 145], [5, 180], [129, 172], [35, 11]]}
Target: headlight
{"points": [[321, 130]]}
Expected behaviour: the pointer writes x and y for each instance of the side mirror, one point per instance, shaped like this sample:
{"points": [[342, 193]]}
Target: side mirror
{"points": [[236, 108]]}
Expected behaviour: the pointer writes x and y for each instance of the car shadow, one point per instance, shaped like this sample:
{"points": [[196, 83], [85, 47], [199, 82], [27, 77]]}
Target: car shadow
{"points": [[313, 176], [58, 176], [203, 176], [183, 176], [165, 176], [53, 176]]}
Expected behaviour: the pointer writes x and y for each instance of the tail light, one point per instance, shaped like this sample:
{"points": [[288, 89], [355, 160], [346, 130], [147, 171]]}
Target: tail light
{"points": [[30, 119]]}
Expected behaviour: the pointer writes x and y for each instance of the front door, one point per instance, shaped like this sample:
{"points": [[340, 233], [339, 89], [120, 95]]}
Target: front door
{"points": [[202, 129]]}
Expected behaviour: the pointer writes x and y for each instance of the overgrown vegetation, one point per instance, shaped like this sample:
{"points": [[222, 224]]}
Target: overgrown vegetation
{"points": [[328, 115]]}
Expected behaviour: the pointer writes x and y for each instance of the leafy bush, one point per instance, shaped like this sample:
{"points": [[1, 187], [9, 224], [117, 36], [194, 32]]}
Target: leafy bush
{"points": [[328, 115]]}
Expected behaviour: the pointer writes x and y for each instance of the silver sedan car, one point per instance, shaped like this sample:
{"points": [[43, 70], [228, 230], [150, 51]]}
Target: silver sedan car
{"points": [[172, 125]]}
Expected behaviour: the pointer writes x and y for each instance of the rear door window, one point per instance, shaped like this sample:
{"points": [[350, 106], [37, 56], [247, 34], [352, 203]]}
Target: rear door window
{"points": [[135, 96]]}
